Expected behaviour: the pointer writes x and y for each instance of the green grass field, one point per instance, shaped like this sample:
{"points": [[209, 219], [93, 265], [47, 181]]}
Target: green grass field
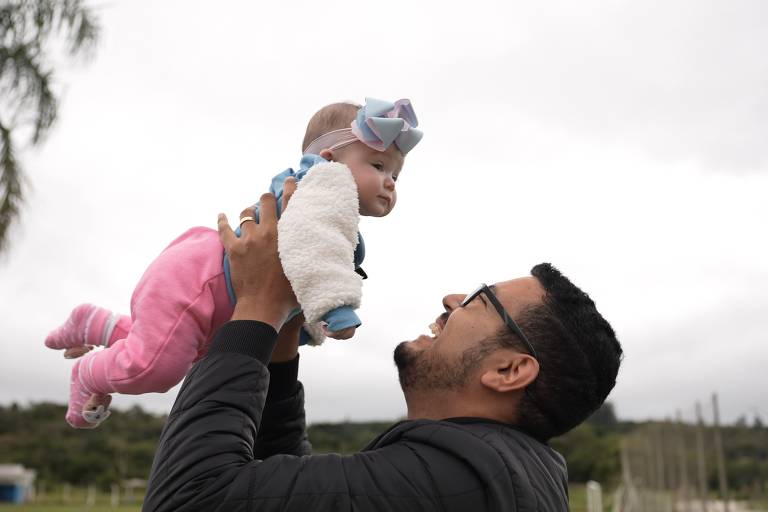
{"points": [[578, 503], [77, 504], [69, 508], [53, 501]]}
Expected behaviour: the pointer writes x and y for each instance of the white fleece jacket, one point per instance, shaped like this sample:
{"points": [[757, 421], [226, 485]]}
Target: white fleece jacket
{"points": [[317, 236]]}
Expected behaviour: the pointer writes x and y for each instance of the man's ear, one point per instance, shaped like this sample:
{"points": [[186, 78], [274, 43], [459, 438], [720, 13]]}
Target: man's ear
{"points": [[327, 154], [510, 371]]}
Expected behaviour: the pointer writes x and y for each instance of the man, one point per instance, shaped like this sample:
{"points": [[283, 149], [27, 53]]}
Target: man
{"points": [[509, 367]]}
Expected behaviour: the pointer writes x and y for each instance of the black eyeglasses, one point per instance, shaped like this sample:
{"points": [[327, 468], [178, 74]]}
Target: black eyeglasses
{"points": [[484, 288]]}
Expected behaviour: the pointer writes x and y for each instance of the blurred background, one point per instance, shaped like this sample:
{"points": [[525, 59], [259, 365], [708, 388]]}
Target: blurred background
{"points": [[625, 142]]}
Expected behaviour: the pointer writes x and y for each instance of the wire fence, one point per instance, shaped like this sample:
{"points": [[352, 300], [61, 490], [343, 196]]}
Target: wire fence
{"points": [[681, 465]]}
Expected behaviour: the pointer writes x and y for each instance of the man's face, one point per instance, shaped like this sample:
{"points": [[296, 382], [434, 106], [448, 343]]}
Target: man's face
{"points": [[449, 358]]}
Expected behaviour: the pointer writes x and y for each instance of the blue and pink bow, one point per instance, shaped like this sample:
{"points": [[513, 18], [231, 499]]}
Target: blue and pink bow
{"points": [[379, 123]]}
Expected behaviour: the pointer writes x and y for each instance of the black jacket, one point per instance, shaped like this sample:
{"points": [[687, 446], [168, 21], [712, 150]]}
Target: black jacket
{"points": [[229, 445]]}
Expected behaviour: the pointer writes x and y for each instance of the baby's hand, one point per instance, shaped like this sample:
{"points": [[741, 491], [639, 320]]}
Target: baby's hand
{"points": [[343, 334]]}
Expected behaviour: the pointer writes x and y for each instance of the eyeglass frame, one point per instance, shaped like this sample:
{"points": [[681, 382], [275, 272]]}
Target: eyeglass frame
{"points": [[510, 323]]}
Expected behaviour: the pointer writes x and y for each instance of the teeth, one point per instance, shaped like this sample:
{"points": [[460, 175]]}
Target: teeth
{"points": [[435, 329]]}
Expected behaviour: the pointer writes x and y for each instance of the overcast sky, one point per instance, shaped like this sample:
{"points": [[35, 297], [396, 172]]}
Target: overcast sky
{"points": [[625, 142]]}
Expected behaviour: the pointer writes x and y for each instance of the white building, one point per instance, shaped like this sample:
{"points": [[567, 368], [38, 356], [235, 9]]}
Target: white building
{"points": [[15, 483]]}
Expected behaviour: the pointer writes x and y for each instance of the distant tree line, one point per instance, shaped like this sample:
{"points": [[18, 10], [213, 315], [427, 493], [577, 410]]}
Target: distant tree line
{"points": [[37, 436]]}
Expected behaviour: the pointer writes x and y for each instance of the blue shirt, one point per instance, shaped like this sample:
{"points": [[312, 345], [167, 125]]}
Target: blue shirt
{"points": [[341, 317]]}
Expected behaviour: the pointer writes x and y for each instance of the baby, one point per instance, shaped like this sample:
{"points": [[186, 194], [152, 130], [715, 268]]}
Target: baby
{"points": [[352, 156]]}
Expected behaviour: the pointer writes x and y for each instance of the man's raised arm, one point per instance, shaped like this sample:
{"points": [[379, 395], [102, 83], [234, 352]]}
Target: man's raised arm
{"points": [[224, 395], [235, 441]]}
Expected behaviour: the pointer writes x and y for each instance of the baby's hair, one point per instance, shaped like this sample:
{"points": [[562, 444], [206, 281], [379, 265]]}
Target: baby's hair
{"points": [[331, 117]]}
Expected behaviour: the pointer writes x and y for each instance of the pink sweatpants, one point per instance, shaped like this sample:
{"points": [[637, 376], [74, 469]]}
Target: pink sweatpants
{"points": [[176, 308]]}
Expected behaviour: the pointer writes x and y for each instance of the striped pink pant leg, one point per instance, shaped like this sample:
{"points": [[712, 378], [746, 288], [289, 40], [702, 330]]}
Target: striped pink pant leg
{"points": [[177, 306]]}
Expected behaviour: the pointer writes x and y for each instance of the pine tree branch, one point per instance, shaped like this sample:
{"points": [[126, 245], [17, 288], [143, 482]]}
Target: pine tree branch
{"points": [[83, 29], [26, 78], [31, 22], [32, 87], [11, 190]]}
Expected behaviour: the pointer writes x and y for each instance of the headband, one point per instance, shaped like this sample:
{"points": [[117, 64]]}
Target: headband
{"points": [[377, 125]]}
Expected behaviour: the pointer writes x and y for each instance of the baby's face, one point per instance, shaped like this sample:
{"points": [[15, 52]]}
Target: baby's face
{"points": [[375, 173]]}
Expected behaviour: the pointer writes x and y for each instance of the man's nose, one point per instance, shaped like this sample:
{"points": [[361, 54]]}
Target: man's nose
{"points": [[453, 301]]}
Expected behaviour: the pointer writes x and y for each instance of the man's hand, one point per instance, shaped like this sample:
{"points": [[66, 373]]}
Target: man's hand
{"points": [[263, 292]]}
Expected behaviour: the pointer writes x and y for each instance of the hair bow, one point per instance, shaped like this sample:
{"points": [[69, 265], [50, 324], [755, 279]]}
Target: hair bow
{"points": [[379, 123]]}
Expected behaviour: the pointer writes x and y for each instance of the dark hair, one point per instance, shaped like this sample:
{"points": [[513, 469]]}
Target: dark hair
{"points": [[578, 353], [331, 117]]}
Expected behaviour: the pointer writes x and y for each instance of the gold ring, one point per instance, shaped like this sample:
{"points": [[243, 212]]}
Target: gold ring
{"points": [[246, 219]]}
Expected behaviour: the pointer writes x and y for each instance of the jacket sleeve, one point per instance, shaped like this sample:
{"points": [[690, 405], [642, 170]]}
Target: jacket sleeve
{"points": [[317, 237], [283, 424], [341, 318], [211, 430], [206, 458]]}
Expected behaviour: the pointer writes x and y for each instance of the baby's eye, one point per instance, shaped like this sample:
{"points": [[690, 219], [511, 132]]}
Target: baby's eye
{"points": [[394, 177], [379, 167]]}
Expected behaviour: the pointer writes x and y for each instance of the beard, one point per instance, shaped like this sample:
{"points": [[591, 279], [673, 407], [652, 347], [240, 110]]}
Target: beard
{"points": [[427, 370]]}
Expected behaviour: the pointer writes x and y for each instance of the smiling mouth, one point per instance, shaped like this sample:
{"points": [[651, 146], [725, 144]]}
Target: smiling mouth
{"points": [[438, 325], [436, 330]]}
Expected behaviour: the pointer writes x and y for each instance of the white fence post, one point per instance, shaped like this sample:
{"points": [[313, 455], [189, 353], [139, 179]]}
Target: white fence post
{"points": [[90, 496], [594, 497], [115, 497]]}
